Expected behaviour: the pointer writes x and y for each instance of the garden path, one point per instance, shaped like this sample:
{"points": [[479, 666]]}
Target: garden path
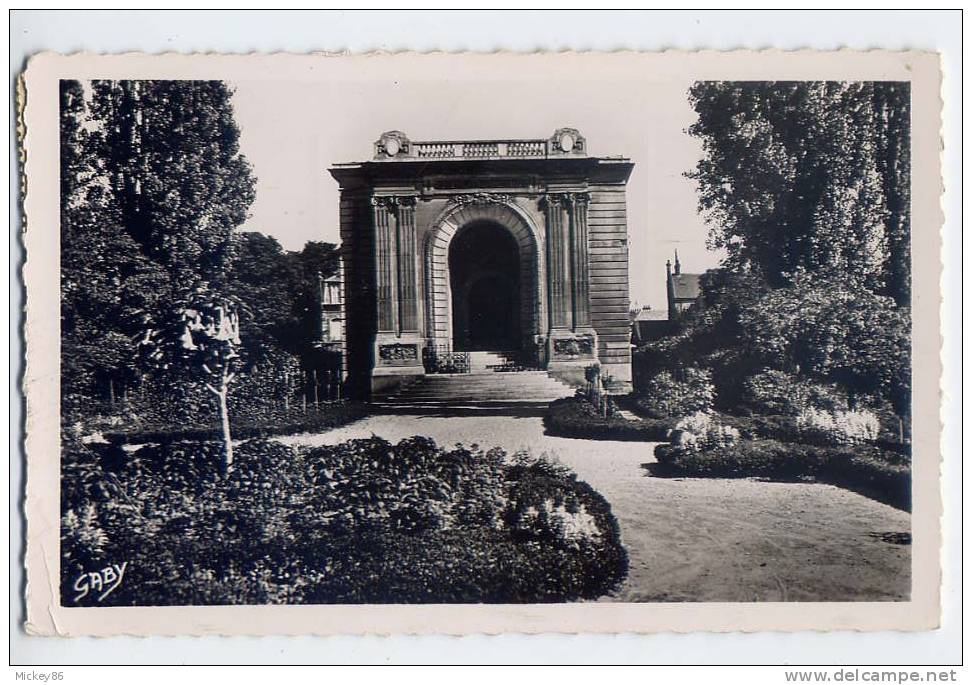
{"points": [[695, 539]]}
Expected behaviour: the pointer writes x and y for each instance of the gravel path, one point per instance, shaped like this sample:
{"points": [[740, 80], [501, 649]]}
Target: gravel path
{"points": [[695, 539]]}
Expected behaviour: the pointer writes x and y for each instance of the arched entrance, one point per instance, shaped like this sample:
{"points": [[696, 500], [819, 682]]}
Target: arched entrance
{"points": [[498, 258], [484, 271]]}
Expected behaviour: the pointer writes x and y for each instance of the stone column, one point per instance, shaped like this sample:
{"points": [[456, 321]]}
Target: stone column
{"points": [[581, 268], [405, 238], [385, 263], [572, 344], [558, 260], [397, 344]]}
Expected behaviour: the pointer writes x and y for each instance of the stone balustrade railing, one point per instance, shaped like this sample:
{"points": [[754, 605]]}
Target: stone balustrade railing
{"points": [[485, 149], [396, 145]]}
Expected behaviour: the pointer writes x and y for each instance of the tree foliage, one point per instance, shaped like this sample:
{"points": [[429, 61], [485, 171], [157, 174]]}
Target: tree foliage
{"points": [[107, 283], [170, 154], [833, 330], [200, 334], [810, 175], [152, 188], [279, 293], [806, 186]]}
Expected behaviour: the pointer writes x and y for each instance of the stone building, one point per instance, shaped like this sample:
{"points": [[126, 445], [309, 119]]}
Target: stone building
{"points": [[517, 247], [684, 290]]}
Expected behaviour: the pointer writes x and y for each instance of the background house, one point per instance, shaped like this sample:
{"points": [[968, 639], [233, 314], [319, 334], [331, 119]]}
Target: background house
{"points": [[649, 324], [683, 289]]}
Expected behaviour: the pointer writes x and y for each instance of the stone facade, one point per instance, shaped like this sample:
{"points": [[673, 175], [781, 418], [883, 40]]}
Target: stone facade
{"points": [[450, 246]]}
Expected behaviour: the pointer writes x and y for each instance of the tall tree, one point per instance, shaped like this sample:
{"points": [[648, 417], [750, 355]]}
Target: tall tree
{"points": [[172, 159], [106, 282], [892, 103], [806, 175], [177, 187]]}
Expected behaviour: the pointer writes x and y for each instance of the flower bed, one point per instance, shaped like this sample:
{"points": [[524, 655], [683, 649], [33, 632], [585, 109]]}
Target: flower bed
{"points": [[359, 522], [574, 417]]}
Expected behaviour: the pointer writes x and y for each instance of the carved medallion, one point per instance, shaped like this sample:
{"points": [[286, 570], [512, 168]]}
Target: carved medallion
{"points": [[573, 348], [481, 198], [398, 354]]}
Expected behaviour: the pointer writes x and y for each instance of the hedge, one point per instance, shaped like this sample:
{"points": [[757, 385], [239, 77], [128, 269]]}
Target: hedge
{"points": [[363, 521], [784, 429], [313, 421], [881, 474], [574, 417]]}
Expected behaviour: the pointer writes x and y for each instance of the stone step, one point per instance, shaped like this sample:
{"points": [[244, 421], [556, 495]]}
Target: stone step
{"points": [[483, 361], [471, 389], [499, 383], [486, 375], [534, 395], [476, 384], [470, 404], [486, 392]]}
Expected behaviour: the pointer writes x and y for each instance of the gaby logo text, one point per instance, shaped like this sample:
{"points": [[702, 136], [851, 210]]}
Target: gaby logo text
{"points": [[104, 582]]}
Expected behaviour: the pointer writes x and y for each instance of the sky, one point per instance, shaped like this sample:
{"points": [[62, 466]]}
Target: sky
{"points": [[293, 130]]}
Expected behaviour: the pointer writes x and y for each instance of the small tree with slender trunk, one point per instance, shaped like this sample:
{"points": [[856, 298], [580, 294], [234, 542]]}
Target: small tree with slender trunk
{"points": [[201, 336]]}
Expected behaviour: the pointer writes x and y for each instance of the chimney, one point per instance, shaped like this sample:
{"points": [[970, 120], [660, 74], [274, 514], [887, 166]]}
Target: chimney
{"points": [[678, 264], [668, 267]]}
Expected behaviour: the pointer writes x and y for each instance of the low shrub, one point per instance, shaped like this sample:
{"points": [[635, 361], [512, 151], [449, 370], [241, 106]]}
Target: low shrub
{"points": [[574, 417], [328, 416], [839, 427], [361, 521], [786, 429], [773, 427], [878, 473], [702, 431], [663, 396], [777, 392]]}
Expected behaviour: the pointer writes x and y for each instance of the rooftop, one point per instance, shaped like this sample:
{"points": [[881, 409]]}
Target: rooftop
{"points": [[651, 315], [396, 146], [686, 286], [563, 154]]}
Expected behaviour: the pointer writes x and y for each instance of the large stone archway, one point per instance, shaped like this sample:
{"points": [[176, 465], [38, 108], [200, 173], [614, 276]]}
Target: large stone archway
{"points": [[439, 295], [564, 210]]}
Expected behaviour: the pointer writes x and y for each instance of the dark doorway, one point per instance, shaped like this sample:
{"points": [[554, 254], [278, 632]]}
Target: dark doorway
{"points": [[484, 273]]}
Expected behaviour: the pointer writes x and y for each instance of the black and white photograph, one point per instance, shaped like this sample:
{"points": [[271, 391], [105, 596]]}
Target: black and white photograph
{"points": [[370, 335]]}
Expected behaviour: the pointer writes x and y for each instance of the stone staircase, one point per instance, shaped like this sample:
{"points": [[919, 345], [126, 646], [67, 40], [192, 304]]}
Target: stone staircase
{"points": [[481, 362], [492, 382]]}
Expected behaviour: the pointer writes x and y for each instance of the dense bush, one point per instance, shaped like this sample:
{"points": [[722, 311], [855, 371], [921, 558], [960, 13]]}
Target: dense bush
{"points": [[326, 417], [574, 417], [664, 396], [844, 346], [881, 474], [362, 521], [836, 331], [776, 392]]}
